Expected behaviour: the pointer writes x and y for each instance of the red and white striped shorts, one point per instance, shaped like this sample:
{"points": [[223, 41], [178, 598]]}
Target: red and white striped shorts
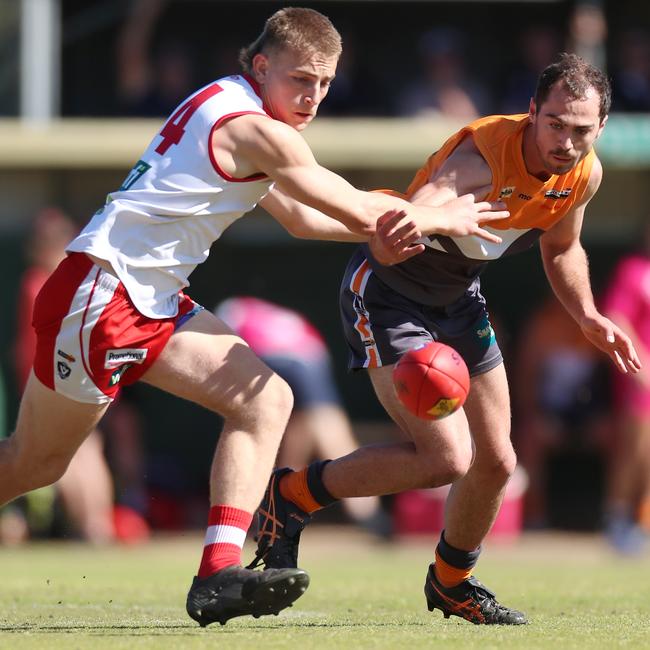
{"points": [[91, 339]]}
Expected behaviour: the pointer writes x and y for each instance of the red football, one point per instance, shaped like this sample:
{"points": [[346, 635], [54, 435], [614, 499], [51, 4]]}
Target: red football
{"points": [[431, 381]]}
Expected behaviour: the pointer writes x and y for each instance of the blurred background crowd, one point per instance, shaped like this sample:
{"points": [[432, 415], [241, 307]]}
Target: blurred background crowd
{"points": [[456, 58], [582, 434]]}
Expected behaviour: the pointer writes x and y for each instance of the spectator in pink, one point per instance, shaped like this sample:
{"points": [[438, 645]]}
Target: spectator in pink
{"points": [[627, 300]]}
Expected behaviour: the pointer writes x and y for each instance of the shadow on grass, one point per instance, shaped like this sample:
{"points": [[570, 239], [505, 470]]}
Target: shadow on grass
{"points": [[155, 629]]}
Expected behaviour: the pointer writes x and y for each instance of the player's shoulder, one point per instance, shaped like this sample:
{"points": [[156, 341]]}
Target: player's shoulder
{"points": [[468, 157], [259, 128], [499, 124], [595, 175], [492, 131]]}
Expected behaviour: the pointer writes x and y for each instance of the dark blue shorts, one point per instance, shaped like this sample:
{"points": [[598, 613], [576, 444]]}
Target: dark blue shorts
{"points": [[311, 380], [380, 325]]}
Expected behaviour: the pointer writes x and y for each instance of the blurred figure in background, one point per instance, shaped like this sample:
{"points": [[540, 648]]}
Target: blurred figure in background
{"points": [[588, 32], [152, 79], [628, 508], [319, 427], [357, 89], [631, 74], [560, 399], [538, 47], [445, 88], [86, 488]]}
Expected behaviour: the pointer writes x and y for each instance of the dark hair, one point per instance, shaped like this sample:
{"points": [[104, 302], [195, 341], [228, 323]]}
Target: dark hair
{"points": [[577, 76], [294, 28]]}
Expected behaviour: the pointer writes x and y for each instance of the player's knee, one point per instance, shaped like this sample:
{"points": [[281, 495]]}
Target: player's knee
{"points": [[457, 466], [497, 466], [265, 407], [51, 472], [33, 473], [277, 400], [452, 464]]}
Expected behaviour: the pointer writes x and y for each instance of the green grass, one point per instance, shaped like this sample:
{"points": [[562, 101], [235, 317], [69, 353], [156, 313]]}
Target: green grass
{"points": [[363, 595]]}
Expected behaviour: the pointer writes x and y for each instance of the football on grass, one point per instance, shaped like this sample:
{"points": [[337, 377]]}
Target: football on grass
{"points": [[432, 381]]}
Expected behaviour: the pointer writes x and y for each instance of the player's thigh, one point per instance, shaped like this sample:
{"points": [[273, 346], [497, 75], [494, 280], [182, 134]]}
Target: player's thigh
{"points": [[206, 363], [429, 436], [51, 427], [488, 411]]}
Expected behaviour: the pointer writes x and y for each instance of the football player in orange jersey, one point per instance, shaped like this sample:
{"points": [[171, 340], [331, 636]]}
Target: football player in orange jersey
{"points": [[543, 166]]}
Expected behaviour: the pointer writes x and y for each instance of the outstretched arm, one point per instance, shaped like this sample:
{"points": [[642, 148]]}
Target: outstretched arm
{"points": [[465, 175], [304, 222], [464, 178], [280, 152], [399, 231], [567, 269]]}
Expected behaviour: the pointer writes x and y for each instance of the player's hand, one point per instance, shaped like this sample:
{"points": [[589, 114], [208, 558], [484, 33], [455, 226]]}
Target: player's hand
{"points": [[611, 339], [465, 216], [395, 238]]}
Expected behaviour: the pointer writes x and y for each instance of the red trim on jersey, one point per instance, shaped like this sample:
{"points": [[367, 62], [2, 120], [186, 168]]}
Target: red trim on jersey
{"points": [[258, 91], [213, 160]]}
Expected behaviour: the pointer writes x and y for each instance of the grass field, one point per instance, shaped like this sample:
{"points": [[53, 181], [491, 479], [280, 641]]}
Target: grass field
{"points": [[362, 595]]}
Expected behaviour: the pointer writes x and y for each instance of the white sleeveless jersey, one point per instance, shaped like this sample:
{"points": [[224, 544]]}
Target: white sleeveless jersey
{"points": [[176, 201]]}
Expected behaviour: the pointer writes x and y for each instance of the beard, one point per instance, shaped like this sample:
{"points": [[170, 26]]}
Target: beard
{"points": [[556, 167]]}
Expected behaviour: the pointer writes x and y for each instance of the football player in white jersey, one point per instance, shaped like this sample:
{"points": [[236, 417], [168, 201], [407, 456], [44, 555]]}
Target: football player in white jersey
{"points": [[114, 311]]}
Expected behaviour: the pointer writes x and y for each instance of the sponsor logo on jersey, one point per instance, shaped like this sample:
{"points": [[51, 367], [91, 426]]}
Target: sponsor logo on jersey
{"points": [[115, 358], [66, 356], [117, 375], [525, 197], [63, 369], [557, 194], [138, 169], [506, 192]]}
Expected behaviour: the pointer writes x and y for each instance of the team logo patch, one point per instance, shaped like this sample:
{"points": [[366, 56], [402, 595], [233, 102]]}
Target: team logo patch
{"points": [[117, 375], [115, 358], [63, 369], [558, 194], [506, 192]]}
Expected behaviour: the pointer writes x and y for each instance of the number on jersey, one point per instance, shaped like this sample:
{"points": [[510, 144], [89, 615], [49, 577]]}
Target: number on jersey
{"points": [[174, 128]]}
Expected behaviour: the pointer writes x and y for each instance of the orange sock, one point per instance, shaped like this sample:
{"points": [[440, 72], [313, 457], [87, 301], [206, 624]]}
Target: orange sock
{"points": [[294, 488], [450, 576]]}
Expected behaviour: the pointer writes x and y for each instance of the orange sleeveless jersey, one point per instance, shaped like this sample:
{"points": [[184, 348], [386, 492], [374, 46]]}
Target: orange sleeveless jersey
{"points": [[532, 203]]}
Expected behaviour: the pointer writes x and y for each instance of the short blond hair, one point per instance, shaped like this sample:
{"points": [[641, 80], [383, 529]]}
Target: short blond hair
{"points": [[298, 29]]}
